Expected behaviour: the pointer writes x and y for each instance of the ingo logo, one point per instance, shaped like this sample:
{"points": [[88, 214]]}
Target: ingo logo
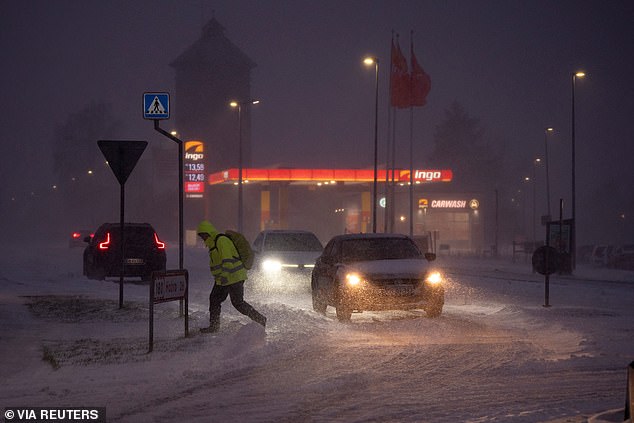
{"points": [[427, 175], [194, 150]]}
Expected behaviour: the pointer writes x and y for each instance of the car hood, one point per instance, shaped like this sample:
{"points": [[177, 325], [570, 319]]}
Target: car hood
{"points": [[401, 268], [291, 257]]}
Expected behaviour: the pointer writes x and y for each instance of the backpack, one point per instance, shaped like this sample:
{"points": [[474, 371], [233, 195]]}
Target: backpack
{"points": [[242, 246]]}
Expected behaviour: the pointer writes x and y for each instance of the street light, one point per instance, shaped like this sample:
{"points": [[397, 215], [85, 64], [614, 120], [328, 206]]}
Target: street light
{"points": [[238, 105], [573, 229], [369, 61], [535, 163], [546, 132]]}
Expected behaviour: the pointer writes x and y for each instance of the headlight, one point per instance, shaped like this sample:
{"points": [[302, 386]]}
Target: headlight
{"points": [[353, 279], [434, 278], [269, 265]]}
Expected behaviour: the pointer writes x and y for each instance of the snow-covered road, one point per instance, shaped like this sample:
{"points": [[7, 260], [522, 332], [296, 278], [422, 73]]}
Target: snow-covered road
{"points": [[495, 354]]}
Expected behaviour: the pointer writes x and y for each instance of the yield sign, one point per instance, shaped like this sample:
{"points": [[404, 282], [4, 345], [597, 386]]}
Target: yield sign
{"points": [[122, 156]]}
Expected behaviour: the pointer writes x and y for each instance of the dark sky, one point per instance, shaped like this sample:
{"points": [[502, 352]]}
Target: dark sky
{"points": [[507, 62]]}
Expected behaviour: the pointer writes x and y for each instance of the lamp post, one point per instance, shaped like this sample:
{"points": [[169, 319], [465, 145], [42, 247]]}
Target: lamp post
{"points": [[238, 105], [535, 163], [369, 61], [573, 229], [546, 132], [527, 179]]}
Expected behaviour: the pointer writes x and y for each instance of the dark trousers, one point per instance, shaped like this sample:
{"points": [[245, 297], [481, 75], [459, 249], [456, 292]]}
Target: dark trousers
{"points": [[235, 291]]}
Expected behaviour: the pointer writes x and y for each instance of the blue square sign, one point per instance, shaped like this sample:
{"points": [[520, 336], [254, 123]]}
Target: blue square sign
{"points": [[156, 106]]}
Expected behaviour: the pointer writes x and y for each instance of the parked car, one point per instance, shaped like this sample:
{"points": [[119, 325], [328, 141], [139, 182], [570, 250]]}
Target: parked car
{"points": [[77, 237], [284, 259], [623, 257], [601, 255], [376, 272], [143, 249], [584, 253]]}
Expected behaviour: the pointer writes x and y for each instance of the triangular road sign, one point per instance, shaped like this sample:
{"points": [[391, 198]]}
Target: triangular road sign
{"points": [[156, 106], [122, 156]]}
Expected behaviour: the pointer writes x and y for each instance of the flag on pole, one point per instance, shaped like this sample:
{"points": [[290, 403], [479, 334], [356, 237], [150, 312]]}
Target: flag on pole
{"points": [[399, 78], [420, 82]]}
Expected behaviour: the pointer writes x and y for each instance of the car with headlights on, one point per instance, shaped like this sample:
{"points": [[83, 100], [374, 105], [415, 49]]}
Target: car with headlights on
{"points": [[144, 251], [284, 259], [358, 272]]}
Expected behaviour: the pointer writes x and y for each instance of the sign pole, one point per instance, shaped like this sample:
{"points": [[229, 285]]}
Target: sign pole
{"points": [[122, 156], [180, 203], [151, 320], [180, 189], [547, 275], [545, 261], [156, 107], [122, 242]]}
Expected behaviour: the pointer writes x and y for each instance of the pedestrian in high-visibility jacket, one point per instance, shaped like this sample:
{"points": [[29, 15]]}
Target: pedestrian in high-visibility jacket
{"points": [[229, 275]]}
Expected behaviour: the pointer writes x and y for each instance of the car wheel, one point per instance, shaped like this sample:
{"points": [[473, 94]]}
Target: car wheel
{"points": [[96, 274], [342, 307], [319, 300], [434, 309], [344, 312]]}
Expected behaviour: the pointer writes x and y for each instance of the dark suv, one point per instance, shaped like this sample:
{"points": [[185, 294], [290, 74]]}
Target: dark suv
{"points": [[144, 251]]}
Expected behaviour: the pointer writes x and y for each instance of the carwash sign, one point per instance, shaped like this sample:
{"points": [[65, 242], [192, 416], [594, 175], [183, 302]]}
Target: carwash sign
{"points": [[424, 203]]}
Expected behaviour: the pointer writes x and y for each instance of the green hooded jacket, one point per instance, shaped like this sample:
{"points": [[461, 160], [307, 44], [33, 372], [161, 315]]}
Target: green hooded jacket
{"points": [[224, 260]]}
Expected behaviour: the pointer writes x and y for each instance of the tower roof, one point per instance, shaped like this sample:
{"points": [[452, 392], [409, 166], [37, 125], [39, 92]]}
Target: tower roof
{"points": [[213, 48]]}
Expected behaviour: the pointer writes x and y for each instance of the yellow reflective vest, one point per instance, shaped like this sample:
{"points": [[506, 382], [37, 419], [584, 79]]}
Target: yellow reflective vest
{"points": [[224, 260]]}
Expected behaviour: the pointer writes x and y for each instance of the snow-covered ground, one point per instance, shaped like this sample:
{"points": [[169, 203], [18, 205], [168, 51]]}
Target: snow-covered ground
{"points": [[495, 354]]}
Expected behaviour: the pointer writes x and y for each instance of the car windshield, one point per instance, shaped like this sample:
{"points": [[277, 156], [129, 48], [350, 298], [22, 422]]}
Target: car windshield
{"points": [[378, 249], [292, 242]]}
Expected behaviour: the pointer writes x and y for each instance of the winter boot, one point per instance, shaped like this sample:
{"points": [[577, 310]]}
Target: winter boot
{"points": [[261, 320], [212, 328]]}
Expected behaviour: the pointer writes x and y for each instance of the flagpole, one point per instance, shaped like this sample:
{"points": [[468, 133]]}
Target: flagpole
{"points": [[411, 143], [395, 106], [386, 191], [388, 202], [392, 182], [411, 171]]}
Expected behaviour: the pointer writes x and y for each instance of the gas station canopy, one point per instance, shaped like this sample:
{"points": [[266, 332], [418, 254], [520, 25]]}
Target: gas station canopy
{"points": [[326, 176]]}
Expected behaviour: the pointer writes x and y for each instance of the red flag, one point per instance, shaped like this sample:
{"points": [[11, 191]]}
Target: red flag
{"points": [[420, 82], [399, 78]]}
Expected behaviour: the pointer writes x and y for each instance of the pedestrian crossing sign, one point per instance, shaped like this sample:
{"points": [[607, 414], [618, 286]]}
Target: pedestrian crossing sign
{"points": [[156, 106]]}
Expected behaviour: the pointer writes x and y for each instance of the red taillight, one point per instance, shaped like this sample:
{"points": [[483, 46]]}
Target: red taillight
{"points": [[106, 244], [76, 235], [159, 244]]}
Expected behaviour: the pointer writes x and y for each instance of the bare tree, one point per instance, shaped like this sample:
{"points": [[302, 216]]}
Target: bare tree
{"points": [[83, 177]]}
